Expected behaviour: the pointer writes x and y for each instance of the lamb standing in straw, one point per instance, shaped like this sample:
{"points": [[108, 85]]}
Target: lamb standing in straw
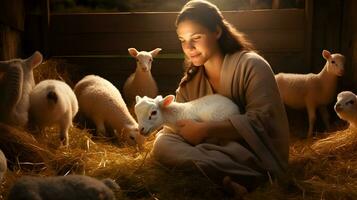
{"points": [[312, 91], [141, 82], [346, 107], [16, 84], [53, 102], [102, 102]]}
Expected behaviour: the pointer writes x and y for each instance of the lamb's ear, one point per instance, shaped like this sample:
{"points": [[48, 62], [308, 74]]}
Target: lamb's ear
{"points": [[133, 52], [326, 54], [158, 99], [35, 60], [155, 52], [167, 100], [137, 98]]}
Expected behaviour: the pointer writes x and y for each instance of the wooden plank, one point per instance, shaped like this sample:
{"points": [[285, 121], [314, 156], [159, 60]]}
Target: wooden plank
{"points": [[153, 22], [10, 44], [308, 30], [167, 72], [13, 14], [112, 43], [45, 16]]}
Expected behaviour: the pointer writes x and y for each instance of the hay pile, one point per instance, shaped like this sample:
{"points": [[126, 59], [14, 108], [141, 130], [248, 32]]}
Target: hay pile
{"points": [[322, 168]]}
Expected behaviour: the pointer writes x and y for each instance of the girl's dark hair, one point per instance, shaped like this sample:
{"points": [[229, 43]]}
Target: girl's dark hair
{"points": [[209, 16]]}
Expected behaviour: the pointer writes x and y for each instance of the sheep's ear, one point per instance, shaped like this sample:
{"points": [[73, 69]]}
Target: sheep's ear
{"points": [[155, 52], [167, 100], [326, 54], [158, 99], [34, 60], [133, 52], [137, 98]]}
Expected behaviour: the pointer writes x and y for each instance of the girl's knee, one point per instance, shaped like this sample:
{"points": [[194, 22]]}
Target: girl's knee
{"points": [[166, 148]]}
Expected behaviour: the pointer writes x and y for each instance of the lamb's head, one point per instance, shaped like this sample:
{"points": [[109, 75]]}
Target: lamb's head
{"points": [[25, 66], [346, 106], [143, 58], [335, 62], [149, 112], [133, 137]]}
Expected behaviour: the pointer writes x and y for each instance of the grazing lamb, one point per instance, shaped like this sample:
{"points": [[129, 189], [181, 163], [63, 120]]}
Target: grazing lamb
{"points": [[154, 113], [141, 82], [3, 165], [16, 84], [102, 102], [62, 187], [346, 107], [312, 91], [53, 102]]}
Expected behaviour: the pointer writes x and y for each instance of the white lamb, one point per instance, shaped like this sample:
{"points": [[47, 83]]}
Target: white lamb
{"points": [[15, 87], [53, 102], [141, 82], [154, 113], [102, 102], [71, 187], [346, 107], [3, 165], [312, 91]]}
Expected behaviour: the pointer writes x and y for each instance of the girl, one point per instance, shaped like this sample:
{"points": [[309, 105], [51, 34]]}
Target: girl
{"points": [[220, 60]]}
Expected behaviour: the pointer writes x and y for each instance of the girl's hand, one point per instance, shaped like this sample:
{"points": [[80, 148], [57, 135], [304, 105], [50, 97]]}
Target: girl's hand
{"points": [[192, 131]]}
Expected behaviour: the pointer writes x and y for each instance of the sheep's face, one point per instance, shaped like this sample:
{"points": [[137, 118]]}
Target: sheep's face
{"points": [[26, 65], [335, 62], [143, 58], [346, 105], [148, 114], [133, 137]]}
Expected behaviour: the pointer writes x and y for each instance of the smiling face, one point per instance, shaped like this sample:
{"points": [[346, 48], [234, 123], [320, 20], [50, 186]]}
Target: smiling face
{"points": [[198, 43]]}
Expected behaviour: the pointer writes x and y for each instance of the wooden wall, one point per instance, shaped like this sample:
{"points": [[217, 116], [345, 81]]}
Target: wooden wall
{"points": [[12, 17], [98, 43], [349, 44]]}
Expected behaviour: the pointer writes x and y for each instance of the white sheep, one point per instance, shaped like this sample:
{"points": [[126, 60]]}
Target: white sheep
{"points": [[62, 187], [154, 113], [52, 102], [102, 102], [15, 88], [3, 165], [346, 107], [141, 82], [312, 91]]}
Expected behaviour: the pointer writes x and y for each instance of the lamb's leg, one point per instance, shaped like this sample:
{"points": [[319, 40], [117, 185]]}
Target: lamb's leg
{"points": [[100, 127], [311, 111], [66, 122], [325, 116]]}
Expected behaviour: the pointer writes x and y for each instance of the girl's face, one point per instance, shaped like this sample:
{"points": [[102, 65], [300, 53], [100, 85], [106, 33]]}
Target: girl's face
{"points": [[198, 43]]}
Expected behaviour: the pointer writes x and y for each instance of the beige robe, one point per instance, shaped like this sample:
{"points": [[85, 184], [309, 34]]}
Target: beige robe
{"points": [[248, 80]]}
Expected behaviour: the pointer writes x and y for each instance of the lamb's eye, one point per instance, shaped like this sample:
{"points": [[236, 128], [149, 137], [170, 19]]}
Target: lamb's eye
{"points": [[333, 62], [150, 60], [137, 60], [350, 102]]}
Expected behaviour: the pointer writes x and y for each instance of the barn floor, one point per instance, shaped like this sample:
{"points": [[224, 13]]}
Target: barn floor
{"points": [[320, 168]]}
